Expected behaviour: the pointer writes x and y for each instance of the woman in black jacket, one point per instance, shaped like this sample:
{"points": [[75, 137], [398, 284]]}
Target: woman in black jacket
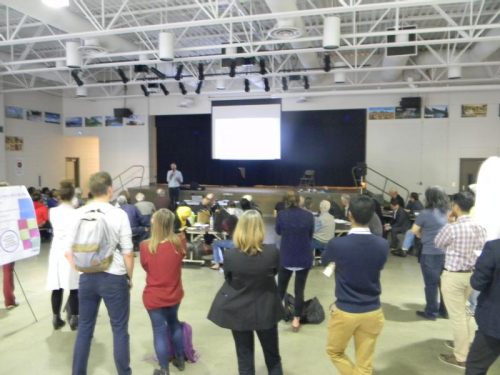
{"points": [[248, 301]]}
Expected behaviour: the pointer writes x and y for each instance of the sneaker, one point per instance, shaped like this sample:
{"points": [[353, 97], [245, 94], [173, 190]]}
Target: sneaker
{"points": [[449, 344], [399, 253], [424, 315], [10, 307], [451, 360]]}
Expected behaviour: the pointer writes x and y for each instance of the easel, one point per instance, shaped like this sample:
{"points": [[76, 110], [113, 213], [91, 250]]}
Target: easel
{"points": [[24, 294]]}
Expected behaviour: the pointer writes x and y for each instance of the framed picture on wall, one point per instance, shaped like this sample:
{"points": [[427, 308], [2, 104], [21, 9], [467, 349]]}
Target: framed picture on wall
{"points": [[134, 120], [474, 110], [74, 122], [14, 143], [14, 112], [436, 111], [52, 118], [381, 113], [93, 121], [32, 115], [113, 121], [408, 113]]}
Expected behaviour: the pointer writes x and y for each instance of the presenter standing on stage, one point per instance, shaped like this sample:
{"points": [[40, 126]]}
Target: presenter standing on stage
{"points": [[174, 180]]}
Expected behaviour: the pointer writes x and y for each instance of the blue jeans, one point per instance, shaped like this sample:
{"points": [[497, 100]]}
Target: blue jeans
{"points": [[114, 290], [318, 245], [409, 240], [160, 320], [432, 266], [217, 247]]}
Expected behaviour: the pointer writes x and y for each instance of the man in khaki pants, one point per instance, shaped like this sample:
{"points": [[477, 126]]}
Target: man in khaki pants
{"points": [[460, 240], [359, 258]]}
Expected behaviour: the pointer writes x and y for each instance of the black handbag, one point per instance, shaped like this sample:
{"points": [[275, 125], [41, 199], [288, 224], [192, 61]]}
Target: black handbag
{"points": [[313, 312]]}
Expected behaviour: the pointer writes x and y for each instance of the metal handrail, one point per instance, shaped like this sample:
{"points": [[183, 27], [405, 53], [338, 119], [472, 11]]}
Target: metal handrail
{"points": [[123, 185], [372, 185]]}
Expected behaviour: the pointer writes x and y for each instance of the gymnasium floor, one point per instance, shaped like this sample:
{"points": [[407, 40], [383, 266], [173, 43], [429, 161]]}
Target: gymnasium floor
{"points": [[407, 346]]}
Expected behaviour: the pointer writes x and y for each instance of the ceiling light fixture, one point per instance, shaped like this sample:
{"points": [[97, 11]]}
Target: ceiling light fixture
{"points": [[182, 88], [266, 85], [145, 90], [284, 83], [73, 56], [159, 74], [247, 85], [262, 67], [306, 83], [201, 75], [327, 64], [56, 3], [166, 46], [164, 89], [122, 75], [178, 75], [232, 69], [331, 33], [74, 74], [198, 88]]}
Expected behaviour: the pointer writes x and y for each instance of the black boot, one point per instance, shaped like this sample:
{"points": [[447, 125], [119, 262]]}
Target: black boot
{"points": [[57, 322], [73, 322], [179, 363], [162, 371]]}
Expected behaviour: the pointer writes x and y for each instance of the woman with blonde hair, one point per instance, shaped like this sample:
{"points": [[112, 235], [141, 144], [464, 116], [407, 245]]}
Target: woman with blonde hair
{"points": [[161, 258], [248, 301]]}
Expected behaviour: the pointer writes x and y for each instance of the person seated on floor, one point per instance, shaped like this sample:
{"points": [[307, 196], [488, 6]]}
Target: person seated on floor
{"points": [[245, 204], [253, 205], [414, 205], [161, 200], [335, 209], [146, 208], [42, 216], [213, 205], [324, 227], [183, 215], [137, 222], [393, 193], [53, 200], [228, 226], [400, 223], [345, 200]]}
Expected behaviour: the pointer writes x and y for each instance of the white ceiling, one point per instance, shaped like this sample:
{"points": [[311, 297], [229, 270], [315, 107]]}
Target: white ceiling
{"points": [[458, 33]]}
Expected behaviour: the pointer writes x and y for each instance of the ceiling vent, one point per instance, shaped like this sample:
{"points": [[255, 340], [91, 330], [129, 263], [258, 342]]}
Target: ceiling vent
{"points": [[285, 29]]}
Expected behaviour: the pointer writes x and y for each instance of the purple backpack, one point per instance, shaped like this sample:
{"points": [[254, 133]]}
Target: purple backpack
{"points": [[187, 334]]}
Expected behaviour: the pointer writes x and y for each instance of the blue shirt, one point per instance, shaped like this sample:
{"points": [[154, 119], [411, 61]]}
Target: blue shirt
{"points": [[359, 258], [430, 222], [134, 215], [296, 227]]}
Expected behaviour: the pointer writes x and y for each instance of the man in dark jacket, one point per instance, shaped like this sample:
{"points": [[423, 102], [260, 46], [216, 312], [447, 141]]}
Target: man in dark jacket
{"points": [[485, 348], [400, 223]]}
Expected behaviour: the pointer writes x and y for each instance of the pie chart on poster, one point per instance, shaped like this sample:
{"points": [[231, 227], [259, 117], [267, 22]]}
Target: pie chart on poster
{"points": [[9, 241]]}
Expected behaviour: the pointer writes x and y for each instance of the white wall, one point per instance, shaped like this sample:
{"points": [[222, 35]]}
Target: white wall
{"points": [[3, 161], [86, 149], [42, 154]]}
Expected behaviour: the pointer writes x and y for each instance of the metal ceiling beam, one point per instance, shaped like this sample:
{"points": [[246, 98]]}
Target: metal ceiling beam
{"points": [[238, 19]]}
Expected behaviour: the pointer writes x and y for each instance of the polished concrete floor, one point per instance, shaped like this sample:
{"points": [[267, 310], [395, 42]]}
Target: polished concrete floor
{"points": [[407, 346]]}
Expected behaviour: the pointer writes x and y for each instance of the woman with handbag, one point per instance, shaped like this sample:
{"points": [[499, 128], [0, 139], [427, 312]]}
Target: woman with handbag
{"points": [[248, 300], [161, 258]]}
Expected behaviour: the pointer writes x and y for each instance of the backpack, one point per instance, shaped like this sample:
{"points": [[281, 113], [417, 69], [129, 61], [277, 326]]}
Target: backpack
{"points": [[94, 243], [187, 335], [313, 312]]}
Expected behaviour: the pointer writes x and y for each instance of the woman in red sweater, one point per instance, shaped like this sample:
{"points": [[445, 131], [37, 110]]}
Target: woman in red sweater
{"points": [[161, 258]]}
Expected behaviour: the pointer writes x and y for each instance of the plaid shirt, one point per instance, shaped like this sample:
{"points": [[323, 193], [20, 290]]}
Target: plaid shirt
{"points": [[459, 240]]}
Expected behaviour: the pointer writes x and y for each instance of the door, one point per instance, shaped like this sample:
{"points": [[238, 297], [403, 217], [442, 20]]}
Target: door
{"points": [[468, 171], [73, 170]]}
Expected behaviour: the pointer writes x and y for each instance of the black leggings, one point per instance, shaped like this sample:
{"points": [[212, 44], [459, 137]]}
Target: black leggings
{"points": [[57, 297], [284, 276]]}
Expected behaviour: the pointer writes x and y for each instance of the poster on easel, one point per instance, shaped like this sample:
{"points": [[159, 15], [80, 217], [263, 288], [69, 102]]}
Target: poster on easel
{"points": [[19, 234]]}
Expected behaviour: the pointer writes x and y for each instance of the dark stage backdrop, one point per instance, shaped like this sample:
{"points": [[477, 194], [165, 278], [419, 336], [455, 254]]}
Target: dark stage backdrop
{"points": [[330, 142]]}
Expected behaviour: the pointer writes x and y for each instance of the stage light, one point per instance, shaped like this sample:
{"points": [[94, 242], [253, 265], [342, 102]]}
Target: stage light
{"points": [[266, 85], [306, 83], [284, 83], [56, 3], [247, 85], [232, 69], [164, 89], [145, 90], [73, 56], [201, 75], [166, 46], [198, 88], [178, 75], [182, 88], [262, 67], [331, 33], [122, 75], [327, 64], [74, 74], [159, 74], [81, 91]]}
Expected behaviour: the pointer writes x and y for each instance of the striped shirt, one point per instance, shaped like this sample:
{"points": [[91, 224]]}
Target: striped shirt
{"points": [[459, 240]]}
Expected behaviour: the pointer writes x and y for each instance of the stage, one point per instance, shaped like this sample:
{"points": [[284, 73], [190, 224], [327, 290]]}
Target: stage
{"points": [[265, 197]]}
